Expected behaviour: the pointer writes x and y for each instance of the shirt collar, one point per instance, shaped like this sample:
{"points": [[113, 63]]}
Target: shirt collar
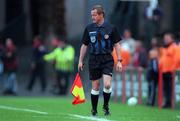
{"points": [[103, 25]]}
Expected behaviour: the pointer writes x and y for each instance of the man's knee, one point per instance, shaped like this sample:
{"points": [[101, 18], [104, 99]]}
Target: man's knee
{"points": [[107, 85], [95, 85], [107, 81]]}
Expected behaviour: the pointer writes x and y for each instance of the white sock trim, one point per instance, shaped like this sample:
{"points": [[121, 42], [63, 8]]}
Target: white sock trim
{"points": [[107, 90], [94, 92]]}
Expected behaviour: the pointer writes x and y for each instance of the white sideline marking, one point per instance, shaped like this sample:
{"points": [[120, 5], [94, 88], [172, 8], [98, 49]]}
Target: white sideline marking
{"points": [[136, 0], [22, 109], [45, 113], [89, 118]]}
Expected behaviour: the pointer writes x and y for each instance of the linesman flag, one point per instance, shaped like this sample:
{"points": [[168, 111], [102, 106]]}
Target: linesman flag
{"points": [[77, 91]]}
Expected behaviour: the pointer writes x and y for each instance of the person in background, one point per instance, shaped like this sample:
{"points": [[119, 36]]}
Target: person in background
{"points": [[128, 43], [178, 57], [152, 72], [140, 56], [1, 62], [167, 65], [125, 54], [153, 15], [127, 49], [10, 67], [63, 56], [38, 64], [154, 43]]}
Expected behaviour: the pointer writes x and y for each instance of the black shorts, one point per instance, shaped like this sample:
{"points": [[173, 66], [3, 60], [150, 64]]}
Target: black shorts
{"points": [[99, 65]]}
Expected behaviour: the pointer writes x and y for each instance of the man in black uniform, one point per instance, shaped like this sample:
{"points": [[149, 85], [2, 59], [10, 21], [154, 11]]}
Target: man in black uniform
{"points": [[100, 37]]}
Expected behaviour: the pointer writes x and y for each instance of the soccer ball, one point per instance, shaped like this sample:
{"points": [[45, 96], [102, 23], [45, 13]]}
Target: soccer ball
{"points": [[132, 101]]}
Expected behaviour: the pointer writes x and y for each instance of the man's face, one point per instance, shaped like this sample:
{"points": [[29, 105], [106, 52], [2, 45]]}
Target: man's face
{"points": [[127, 34], [9, 43], [167, 39], [96, 18], [154, 42], [36, 42], [54, 42]]}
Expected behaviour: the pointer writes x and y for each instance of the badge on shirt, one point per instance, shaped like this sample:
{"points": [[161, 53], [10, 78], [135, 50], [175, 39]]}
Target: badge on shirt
{"points": [[93, 36], [93, 39], [106, 36]]}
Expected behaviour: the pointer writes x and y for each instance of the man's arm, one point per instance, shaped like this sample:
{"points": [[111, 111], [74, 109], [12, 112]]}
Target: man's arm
{"points": [[50, 56], [83, 51], [118, 53], [118, 49]]}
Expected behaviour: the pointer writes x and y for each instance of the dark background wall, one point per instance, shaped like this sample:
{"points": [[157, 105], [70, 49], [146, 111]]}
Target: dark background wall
{"points": [[14, 21], [23, 19]]}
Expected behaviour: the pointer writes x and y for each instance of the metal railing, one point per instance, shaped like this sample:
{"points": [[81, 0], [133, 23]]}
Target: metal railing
{"points": [[132, 82]]}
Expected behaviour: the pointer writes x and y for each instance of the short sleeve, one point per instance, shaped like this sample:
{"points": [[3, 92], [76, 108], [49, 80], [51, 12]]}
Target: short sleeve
{"points": [[85, 38], [115, 36]]}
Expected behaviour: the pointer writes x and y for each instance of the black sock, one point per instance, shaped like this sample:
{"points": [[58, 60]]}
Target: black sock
{"points": [[106, 98], [94, 101]]}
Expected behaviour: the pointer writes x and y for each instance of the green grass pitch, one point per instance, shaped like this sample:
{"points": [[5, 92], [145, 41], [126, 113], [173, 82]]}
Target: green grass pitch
{"points": [[61, 109]]}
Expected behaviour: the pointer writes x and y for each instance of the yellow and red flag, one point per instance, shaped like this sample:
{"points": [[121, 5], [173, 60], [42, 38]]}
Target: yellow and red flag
{"points": [[77, 91]]}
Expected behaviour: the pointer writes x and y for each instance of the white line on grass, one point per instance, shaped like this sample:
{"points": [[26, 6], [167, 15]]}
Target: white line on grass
{"points": [[89, 118], [45, 113], [136, 0], [22, 109]]}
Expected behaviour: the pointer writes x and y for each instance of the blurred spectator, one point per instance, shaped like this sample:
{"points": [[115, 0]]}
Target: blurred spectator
{"points": [[1, 51], [125, 55], [153, 16], [38, 64], [177, 37], [127, 48], [167, 65], [128, 43], [10, 68], [178, 57], [140, 55], [1, 61], [154, 43], [63, 55], [152, 72]]}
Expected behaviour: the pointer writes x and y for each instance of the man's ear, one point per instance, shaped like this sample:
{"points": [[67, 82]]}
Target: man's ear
{"points": [[102, 16]]}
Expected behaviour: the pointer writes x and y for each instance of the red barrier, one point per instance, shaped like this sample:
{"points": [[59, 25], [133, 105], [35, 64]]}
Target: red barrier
{"points": [[160, 90], [139, 86], [115, 87], [131, 83], [139, 75], [173, 91], [123, 87]]}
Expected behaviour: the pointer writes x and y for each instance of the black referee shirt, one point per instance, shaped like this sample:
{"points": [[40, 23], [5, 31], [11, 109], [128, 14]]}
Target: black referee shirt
{"points": [[100, 39]]}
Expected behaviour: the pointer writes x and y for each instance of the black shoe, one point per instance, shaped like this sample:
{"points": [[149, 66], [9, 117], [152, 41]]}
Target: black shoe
{"points": [[106, 110], [7, 92], [94, 112]]}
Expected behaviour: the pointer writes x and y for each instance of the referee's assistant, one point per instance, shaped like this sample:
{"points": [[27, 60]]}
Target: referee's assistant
{"points": [[100, 37]]}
